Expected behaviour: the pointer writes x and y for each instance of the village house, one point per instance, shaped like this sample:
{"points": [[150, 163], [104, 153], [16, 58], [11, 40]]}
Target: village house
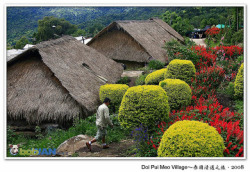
{"points": [[56, 81], [135, 42]]}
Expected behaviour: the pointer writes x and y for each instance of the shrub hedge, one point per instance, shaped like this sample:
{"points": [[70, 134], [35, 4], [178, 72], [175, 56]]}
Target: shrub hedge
{"points": [[191, 139], [143, 105], [155, 77], [239, 82], [155, 64], [180, 69], [114, 92], [178, 91]]}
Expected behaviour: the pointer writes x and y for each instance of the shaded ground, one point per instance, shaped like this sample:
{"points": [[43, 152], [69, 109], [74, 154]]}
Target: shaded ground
{"points": [[76, 146], [225, 101], [199, 41]]}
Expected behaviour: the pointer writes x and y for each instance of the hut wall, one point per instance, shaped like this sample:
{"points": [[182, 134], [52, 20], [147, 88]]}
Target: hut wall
{"points": [[36, 95], [118, 45]]}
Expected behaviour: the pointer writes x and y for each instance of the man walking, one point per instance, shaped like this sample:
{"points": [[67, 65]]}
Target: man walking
{"points": [[102, 121]]}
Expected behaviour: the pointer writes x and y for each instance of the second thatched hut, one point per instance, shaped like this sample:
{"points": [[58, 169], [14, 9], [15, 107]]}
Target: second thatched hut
{"points": [[135, 42]]}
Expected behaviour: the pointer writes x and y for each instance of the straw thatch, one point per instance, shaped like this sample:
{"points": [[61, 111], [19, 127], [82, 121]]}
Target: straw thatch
{"points": [[57, 80], [135, 40]]}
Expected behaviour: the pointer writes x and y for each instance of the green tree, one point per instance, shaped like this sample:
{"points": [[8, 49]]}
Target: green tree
{"points": [[79, 32], [182, 26], [21, 43], [203, 23], [95, 28], [51, 27]]}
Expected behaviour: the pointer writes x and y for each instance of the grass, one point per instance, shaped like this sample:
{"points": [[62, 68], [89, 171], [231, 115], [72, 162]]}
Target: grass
{"points": [[54, 138]]}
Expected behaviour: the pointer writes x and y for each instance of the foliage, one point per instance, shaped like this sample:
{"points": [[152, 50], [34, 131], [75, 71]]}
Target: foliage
{"points": [[229, 124], [141, 79], [123, 80], [212, 31], [10, 135], [51, 27], [191, 139], [144, 105], [182, 26], [140, 135], [239, 82], [85, 18], [155, 64], [207, 80], [239, 106], [79, 32], [238, 37], [228, 90], [180, 69], [175, 50], [155, 77], [114, 92], [54, 138], [21, 42], [38, 132], [178, 91]]}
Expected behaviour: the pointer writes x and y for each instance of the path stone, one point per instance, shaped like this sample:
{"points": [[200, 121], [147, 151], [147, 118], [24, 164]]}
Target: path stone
{"points": [[132, 74], [199, 41]]}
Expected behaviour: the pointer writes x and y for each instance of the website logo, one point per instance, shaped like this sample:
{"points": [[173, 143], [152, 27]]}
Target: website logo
{"points": [[14, 149]]}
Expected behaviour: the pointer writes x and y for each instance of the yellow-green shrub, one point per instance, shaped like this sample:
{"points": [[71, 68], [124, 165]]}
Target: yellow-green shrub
{"points": [[239, 82], [191, 139], [180, 69], [155, 77], [114, 92], [178, 91], [146, 105]]}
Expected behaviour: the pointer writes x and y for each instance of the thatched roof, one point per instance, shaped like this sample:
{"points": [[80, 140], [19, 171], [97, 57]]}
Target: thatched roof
{"points": [[151, 35], [57, 80]]}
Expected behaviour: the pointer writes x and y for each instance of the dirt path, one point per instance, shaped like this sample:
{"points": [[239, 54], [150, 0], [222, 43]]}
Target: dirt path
{"points": [[199, 41], [115, 150], [76, 146]]}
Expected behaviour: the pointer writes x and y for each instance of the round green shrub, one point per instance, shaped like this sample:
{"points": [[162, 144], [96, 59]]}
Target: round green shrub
{"points": [[114, 92], [155, 77], [143, 105], [180, 69], [239, 82], [191, 139], [155, 64], [178, 91]]}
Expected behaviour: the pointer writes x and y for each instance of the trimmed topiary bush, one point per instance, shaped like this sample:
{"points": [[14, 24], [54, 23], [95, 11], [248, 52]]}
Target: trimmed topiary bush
{"points": [[178, 91], [155, 77], [239, 82], [191, 139], [143, 105], [114, 92], [180, 69], [155, 64]]}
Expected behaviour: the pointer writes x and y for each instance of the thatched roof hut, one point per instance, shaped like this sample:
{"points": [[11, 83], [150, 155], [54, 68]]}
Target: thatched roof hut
{"points": [[57, 80], [135, 40]]}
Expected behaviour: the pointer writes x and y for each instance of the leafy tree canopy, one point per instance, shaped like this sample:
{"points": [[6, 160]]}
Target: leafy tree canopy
{"points": [[51, 27], [21, 43]]}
